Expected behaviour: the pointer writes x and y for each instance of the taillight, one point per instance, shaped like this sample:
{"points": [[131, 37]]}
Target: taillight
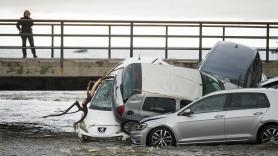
{"points": [[120, 109]]}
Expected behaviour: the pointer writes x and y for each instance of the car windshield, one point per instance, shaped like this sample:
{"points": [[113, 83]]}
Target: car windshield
{"points": [[210, 84], [103, 96]]}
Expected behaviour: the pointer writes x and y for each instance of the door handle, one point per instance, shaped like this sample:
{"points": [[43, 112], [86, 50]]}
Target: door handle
{"points": [[218, 116], [258, 113]]}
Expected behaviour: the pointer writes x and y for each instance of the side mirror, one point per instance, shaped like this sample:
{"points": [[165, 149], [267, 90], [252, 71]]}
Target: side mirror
{"points": [[186, 112]]}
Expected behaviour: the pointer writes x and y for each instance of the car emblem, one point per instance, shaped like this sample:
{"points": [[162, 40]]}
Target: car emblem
{"points": [[101, 129]]}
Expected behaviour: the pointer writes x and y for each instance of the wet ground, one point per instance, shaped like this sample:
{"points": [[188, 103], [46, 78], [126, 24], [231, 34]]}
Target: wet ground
{"points": [[32, 141], [24, 132]]}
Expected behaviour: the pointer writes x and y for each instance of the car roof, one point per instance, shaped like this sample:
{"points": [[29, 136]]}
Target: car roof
{"points": [[128, 61], [244, 90], [223, 60], [175, 81]]}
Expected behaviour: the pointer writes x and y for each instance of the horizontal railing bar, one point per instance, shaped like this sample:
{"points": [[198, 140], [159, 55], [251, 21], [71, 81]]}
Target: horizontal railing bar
{"points": [[78, 23], [134, 21], [145, 36], [145, 25], [136, 48], [146, 48]]}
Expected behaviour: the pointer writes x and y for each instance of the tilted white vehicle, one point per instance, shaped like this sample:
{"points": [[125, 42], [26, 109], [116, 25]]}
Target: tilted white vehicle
{"points": [[172, 81]]}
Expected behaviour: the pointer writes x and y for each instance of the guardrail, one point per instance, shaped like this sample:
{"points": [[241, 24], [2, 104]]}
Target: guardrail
{"points": [[200, 25]]}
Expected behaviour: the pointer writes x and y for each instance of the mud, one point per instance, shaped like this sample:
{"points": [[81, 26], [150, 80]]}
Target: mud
{"points": [[23, 132], [27, 139]]}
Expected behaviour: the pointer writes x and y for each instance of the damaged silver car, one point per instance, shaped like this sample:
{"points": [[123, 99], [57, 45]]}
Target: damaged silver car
{"points": [[239, 115]]}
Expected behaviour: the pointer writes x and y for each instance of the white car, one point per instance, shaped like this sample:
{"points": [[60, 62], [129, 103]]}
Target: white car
{"points": [[100, 121]]}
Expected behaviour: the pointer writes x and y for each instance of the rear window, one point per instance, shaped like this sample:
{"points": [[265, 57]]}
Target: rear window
{"points": [[159, 105], [247, 101], [131, 81], [103, 96]]}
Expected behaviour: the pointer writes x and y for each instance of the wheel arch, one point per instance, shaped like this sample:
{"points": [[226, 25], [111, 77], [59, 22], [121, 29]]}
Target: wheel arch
{"points": [[263, 126]]}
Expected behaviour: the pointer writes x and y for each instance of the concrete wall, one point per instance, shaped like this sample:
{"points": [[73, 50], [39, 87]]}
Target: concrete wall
{"points": [[40, 74], [53, 68]]}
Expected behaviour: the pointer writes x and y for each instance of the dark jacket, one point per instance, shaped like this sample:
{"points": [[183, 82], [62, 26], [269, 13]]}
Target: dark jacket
{"points": [[24, 25]]}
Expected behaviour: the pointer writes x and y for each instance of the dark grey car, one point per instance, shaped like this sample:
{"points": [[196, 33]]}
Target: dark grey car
{"points": [[233, 62]]}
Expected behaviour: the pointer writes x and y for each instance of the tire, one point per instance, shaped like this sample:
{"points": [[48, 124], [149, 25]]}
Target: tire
{"points": [[161, 136], [269, 134], [128, 126]]}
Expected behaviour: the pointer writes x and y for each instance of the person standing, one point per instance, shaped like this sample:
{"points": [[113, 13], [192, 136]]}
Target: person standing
{"points": [[24, 26]]}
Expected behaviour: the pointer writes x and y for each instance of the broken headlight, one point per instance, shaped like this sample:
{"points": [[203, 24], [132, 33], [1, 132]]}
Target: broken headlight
{"points": [[141, 126]]}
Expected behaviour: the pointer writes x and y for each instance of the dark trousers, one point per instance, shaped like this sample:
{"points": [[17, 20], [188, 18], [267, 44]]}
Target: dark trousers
{"points": [[31, 42]]}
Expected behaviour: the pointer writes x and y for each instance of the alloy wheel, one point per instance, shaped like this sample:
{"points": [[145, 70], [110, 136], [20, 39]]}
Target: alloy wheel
{"points": [[162, 137], [270, 135]]}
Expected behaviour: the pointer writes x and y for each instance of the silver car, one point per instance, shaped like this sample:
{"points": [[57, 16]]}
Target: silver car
{"points": [[144, 105], [241, 115]]}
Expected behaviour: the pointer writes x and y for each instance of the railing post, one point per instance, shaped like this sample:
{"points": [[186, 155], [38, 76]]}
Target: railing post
{"points": [[62, 44], [200, 42], [109, 41], [223, 33], [267, 43], [166, 42], [131, 40], [52, 41]]}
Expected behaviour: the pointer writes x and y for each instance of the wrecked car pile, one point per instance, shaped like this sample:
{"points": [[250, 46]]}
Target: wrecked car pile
{"points": [[138, 79], [137, 89]]}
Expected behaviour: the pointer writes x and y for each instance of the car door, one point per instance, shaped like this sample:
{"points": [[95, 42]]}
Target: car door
{"points": [[205, 124], [243, 114]]}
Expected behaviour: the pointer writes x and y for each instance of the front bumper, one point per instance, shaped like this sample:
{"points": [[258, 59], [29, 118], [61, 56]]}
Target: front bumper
{"points": [[139, 137], [110, 133]]}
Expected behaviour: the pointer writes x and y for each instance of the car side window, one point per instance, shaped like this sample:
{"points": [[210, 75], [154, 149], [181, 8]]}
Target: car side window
{"points": [[184, 103], [210, 104], [247, 101], [159, 104], [262, 101]]}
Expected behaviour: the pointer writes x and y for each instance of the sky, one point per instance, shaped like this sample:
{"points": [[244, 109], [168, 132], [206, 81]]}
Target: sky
{"points": [[220, 10], [151, 10]]}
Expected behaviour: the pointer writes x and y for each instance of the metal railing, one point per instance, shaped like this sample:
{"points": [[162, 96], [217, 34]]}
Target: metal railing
{"points": [[200, 25]]}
